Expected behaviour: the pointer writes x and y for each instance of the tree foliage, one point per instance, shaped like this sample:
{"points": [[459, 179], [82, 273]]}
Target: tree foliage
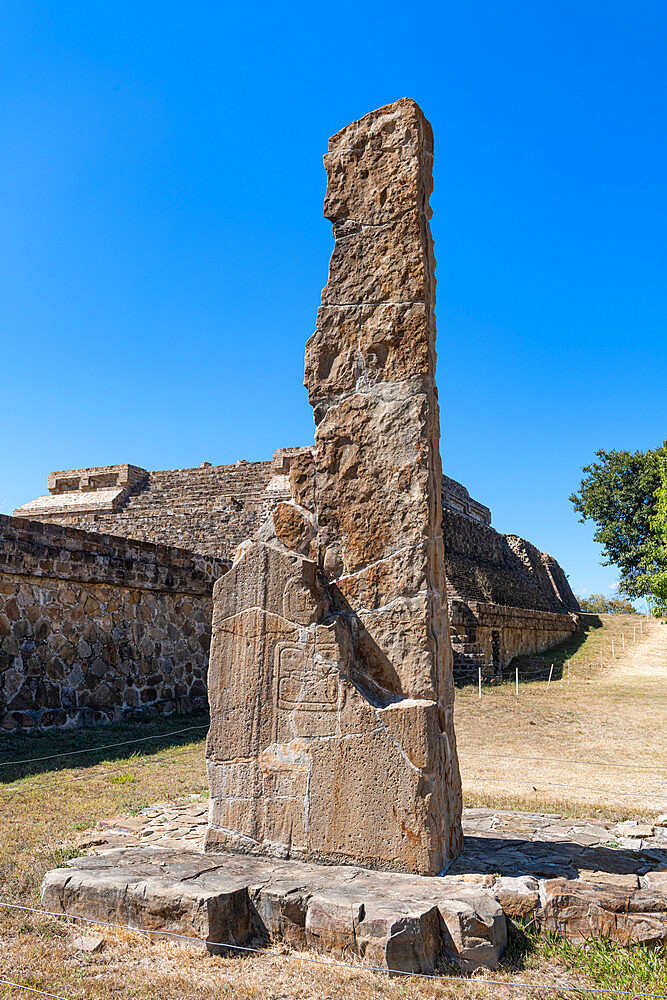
{"points": [[654, 564], [617, 493], [598, 604]]}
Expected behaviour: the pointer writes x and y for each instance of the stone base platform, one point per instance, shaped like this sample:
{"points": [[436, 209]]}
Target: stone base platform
{"points": [[579, 878]]}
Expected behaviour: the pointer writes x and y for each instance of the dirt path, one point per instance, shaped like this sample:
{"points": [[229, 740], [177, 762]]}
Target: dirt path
{"points": [[597, 743]]}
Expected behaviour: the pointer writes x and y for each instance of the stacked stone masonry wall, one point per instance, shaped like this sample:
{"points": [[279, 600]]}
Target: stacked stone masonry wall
{"points": [[208, 510], [506, 597], [94, 626], [489, 636]]}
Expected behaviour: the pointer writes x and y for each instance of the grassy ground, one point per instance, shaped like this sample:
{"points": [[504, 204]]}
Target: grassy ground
{"points": [[591, 745], [46, 806]]}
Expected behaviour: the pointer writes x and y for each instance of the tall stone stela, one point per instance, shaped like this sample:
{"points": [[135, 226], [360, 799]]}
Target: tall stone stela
{"points": [[330, 680]]}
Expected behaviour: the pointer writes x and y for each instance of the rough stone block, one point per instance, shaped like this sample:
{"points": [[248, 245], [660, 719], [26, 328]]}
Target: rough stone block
{"points": [[474, 928], [517, 896], [579, 911], [393, 922]]}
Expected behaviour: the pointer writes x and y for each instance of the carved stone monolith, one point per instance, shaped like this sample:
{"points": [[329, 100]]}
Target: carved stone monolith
{"points": [[330, 681]]}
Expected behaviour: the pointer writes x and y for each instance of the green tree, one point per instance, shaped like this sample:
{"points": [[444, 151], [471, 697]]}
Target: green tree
{"points": [[598, 604], [654, 564], [617, 493]]}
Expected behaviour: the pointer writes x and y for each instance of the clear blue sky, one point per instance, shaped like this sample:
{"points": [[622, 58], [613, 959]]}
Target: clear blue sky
{"points": [[163, 247]]}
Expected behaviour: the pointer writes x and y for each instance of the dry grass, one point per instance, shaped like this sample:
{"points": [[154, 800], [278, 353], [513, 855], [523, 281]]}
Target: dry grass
{"points": [[596, 745], [613, 716], [43, 955]]}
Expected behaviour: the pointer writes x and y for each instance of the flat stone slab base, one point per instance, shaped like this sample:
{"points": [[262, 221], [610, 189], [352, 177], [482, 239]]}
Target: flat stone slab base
{"points": [[395, 922], [579, 878]]}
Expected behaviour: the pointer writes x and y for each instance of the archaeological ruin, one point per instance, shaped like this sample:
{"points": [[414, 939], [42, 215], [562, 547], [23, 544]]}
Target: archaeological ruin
{"points": [[503, 596], [342, 586], [330, 680]]}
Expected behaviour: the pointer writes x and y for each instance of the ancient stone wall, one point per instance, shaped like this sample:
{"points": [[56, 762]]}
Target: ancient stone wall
{"points": [[483, 565], [210, 509], [489, 636], [93, 626], [506, 597], [456, 497]]}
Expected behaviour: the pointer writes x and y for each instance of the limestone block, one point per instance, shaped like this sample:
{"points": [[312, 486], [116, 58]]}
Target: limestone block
{"points": [[285, 586], [634, 830], [359, 346], [389, 935], [145, 895], [517, 896], [366, 449], [281, 907], [579, 911], [292, 525], [369, 177], [474, 929], [381, 264], [656, 881]]}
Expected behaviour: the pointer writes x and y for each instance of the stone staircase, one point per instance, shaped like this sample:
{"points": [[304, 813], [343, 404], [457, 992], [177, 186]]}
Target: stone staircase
{"points": [[209, 509], [468, 654]]}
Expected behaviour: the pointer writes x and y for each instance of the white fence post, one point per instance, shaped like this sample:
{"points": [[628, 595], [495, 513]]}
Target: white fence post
{"points": [[480, 681], [550, 673], [516, 670]]}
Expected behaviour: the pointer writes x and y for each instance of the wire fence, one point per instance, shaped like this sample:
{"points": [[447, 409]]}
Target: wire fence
{"points": [[103, 746], [57, 778], [31, 989], [327, 963], [188, 729], [28, 786]]}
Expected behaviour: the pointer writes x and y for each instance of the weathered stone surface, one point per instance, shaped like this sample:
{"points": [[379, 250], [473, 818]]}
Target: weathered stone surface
{"points": [[388, 919], [132, 887], [92, 626], [579, 911], [331, 677], [474, 928], [517, 896], [656, 881], [300, 762], [292, 526], [394, 922], [637, 831], [390, 934]]}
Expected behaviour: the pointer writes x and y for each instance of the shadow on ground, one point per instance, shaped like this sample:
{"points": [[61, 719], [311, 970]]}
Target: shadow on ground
{"points": [[88, 745], [551, 859]]}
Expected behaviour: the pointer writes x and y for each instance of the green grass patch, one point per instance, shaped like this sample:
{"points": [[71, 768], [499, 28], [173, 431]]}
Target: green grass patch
{"points": [[638, 967], [88, 745]]}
